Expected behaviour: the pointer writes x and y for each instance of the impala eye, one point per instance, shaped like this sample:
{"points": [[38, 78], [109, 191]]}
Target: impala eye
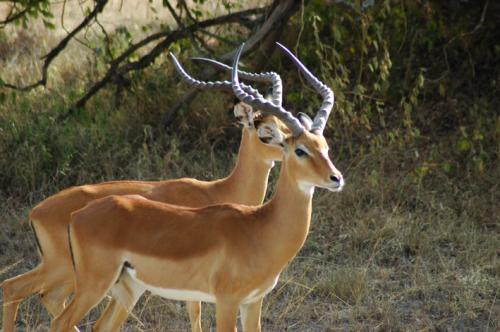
{"points": [[300, 153]]}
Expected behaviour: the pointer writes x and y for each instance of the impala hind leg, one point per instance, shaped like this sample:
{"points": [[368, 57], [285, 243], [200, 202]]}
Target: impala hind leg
{"points": [[250, 316], [125, 294], [54, 299], [194, 312], [226, 311], [112, 318], [15, 290], [88, 293]]}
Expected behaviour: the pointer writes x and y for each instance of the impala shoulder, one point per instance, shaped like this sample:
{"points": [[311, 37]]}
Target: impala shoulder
{"points": [[52, 204]]}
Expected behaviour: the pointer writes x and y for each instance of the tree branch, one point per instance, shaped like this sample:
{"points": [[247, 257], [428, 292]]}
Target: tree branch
{"points": [[180, 24], [168, 37], [49, 57], [12, 17], [281, 11]]}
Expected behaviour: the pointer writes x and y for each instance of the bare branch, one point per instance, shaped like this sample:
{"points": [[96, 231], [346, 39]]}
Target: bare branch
{"points": [[218, 37], [183, 4], [49, 57], [281, 11], [196, 41], [280, 14], [12, 17], [168, 37]]}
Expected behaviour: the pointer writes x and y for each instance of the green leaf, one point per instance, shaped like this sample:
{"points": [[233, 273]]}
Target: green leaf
{"points": [[442, 90], [463, 145], [49, 25], [447, 167]]}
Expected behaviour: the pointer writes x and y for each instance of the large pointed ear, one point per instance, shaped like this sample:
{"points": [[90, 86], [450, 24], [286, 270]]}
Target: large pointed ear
{"points": [[305, 120], [269, 132], [244, 114]]}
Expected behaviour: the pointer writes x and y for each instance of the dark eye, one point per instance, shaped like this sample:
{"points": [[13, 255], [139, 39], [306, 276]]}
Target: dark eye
{"points": [[300, 152]]}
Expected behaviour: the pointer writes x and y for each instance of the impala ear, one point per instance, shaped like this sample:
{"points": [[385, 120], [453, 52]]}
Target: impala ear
{"points": [[305, 120], [243, 114], [269, 133]]}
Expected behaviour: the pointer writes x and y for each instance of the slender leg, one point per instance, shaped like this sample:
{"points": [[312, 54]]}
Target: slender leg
{"points": [[54, 299], [125, 295], [15, 290], [226, 311], [112, 317], [76, 310], [87, 295], [91, 283], [194, 311], [250, 316]]}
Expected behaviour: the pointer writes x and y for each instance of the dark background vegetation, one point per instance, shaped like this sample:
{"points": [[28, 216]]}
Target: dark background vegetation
{"points": [[413, 243]]}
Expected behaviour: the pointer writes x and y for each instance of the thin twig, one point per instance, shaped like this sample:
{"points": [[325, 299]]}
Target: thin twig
{"points": [[10, 18], [168, 38], [219, 37], [108, 40], [280, 12], [460, 36], [196, 40], [49, 57], [177, 19], [188, 12]]}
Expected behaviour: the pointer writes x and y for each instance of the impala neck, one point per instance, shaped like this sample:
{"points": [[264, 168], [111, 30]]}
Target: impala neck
{"points": [[247, 183], [288, 217]]}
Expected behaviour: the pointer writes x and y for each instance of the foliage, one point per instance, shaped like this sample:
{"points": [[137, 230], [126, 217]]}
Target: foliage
{"points": [[399, 74], [22, 11]]}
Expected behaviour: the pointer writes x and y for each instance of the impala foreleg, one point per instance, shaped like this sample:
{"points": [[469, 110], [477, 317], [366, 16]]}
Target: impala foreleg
{"points": [[226, 311], [194, 311], [88, 293], [15, 290], [251, 315], [112, 318], [54, 299], [125, 294]]}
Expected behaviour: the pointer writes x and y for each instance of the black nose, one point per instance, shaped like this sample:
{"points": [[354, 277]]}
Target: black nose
{"points": [[334, 178]]}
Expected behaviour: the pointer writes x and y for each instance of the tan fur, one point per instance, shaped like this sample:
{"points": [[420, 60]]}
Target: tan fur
{"points": [[228, 251], [53, 277]]}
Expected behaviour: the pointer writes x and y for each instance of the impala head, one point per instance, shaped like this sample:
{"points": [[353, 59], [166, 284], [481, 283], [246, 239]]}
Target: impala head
{"points": [[306, 150], [264, 132], [264, 145]]}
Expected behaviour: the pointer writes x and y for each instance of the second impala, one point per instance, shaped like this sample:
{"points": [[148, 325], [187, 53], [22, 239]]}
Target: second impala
{"points": [[229, 254], [247, 184]]}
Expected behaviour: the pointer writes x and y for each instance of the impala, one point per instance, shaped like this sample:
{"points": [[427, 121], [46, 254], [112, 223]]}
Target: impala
{"points": [[229, 254], [53, 277]]}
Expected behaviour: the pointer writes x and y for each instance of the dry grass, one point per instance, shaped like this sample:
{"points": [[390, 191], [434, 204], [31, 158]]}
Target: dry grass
{"points": [[364, 267], [393, 252]]}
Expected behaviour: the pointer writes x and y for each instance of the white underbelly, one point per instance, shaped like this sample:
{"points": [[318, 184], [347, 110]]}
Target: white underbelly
{"points": [[181, 294], [170, 293], [186, 294]]}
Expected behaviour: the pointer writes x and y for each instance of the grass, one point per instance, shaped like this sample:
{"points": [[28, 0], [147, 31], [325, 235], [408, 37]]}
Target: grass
{"points": [[411, 244], [365, 266]]}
